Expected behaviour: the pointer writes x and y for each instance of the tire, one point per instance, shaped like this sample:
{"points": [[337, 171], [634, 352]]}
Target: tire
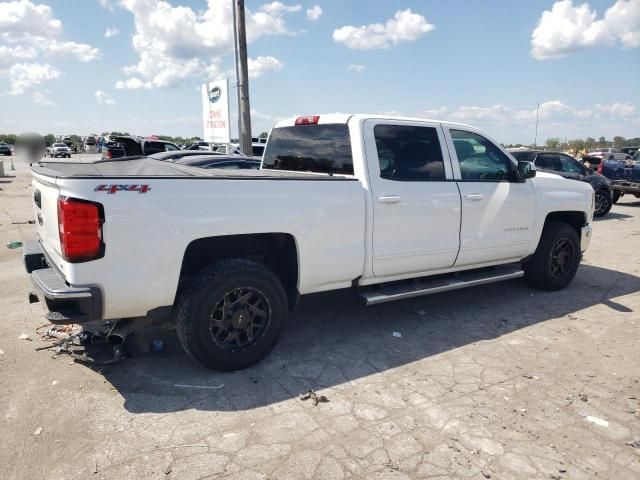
{"points": [[616, 196], [540, 272], [603, 203], [205, 326]]}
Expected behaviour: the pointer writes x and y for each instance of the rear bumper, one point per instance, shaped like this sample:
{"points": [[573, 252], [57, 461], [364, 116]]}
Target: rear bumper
{"points": [[65, 304], [585, 237], [625, 186]]}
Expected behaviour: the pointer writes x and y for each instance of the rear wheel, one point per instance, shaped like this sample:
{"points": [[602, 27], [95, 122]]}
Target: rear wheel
{"points": [[556, 260], [603, 203], [231, 315], [616, 196]]}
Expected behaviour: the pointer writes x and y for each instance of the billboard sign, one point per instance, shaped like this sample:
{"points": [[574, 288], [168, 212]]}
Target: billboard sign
{"points": [[215, 111]]}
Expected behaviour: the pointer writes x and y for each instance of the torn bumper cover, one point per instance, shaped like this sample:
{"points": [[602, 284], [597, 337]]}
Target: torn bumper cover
{"points": [[65, 304]]}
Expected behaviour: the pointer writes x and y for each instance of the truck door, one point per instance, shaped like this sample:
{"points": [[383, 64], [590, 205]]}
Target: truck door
{"points": [[416, 203], [497, 209]]}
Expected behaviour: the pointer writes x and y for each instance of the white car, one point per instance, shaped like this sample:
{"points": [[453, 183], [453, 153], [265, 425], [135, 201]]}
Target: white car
{"points": [[609, 154], [59, 150], [389, 207]]}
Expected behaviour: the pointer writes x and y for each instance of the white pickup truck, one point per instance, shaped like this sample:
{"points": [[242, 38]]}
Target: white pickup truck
{"points": [[391, 207]]}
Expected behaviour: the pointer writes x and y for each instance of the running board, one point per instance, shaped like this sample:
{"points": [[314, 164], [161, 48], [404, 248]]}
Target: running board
{"points": [[389, 292]]}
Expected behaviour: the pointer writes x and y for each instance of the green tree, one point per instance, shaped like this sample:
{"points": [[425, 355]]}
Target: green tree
{"points": [[263, 135], [49, 138], [553, 143], [618, 141], [589, 143], [602, 142]]}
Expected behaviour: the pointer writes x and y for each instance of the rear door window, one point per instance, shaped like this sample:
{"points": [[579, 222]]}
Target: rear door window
{"points": [[324, 148], [409, 153]]}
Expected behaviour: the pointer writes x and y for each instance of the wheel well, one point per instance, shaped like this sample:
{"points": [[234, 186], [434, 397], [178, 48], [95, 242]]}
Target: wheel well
{"points": [[576, 219], [277, 251]]}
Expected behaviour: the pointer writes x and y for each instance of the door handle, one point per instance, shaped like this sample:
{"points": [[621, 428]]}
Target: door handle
{"points": [[474, 197], [389, 199]]}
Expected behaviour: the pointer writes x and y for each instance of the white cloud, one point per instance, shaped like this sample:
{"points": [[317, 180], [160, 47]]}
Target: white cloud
{"points": [[42, 98], [176, 43], [314, 13], [404, 26], [103, 98], [132, 83], [567, 28], [277, 8], [82, 51], [356, 68], [106, 4], [262, 65], [28, 32], [9, 55], [24, 76], [22, 19], [111, 32]]}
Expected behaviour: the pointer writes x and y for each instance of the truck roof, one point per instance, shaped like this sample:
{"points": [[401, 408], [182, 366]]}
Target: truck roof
{"points": [[326, 118]]}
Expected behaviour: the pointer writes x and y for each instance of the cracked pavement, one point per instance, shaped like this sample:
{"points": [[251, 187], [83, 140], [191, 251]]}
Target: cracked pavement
{"points": [[499, 381]]}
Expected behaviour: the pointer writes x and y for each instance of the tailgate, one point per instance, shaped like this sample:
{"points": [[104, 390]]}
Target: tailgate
{"points": [[45, 209]]}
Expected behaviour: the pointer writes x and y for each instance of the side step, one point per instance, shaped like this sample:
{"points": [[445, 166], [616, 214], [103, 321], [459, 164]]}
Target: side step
{"points": [[389, 292]]}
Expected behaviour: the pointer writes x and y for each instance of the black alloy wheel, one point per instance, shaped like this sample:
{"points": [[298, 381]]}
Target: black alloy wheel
{"points": [[562, 258], [240, 318]]}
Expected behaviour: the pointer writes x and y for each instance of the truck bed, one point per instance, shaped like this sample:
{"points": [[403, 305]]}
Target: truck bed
{"points": [[144, 167]]}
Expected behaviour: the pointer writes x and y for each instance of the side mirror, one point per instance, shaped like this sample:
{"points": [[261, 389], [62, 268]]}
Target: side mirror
{"points": [[526, 170]]}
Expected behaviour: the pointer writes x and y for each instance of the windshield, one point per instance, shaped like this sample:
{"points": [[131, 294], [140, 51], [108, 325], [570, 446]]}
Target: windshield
{"points": [[59, 145], [310, 148], [522, 156]]}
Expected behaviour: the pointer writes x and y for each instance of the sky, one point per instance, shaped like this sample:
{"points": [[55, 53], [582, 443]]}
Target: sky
{"points": [[88, 66]]}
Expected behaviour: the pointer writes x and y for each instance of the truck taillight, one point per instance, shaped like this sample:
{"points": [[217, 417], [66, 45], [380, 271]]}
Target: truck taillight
{"points": [[80, 225], [600, 167], [310, 120], [108, 154]]}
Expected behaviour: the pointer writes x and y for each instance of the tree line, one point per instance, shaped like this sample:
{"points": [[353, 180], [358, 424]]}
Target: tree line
{"points": [[583, 145], [50, 138]]}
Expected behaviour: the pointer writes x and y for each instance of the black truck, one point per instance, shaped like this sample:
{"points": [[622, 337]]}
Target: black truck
{"points": [[129, 146]]}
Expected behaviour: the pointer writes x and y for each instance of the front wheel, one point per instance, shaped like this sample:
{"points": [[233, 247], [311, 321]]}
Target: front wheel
{"points": [[232, 314], [603, 203], [556, 260]]}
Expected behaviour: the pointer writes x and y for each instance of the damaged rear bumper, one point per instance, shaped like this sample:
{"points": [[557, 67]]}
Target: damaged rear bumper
{"points": [[65, 304]]}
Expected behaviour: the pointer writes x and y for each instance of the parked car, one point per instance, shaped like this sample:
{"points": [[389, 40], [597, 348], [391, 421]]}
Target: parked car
{"points": [[5, 149], [609, 154], [197, 146], [624, 176], [388, 207], [630, 150], [90, 145], [568, 167], [59, 150], [173, 155], [218, 161], [257, 149], [129, 146]]}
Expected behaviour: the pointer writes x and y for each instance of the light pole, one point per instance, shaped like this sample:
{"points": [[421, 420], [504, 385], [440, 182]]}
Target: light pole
{"points": [[242, 77]]}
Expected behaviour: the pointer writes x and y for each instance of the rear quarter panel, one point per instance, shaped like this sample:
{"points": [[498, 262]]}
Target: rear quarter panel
{"points": [[146, 235]]}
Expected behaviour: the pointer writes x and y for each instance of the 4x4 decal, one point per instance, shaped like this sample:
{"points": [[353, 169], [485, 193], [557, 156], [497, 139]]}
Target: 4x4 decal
{"points": [[122, 188]]}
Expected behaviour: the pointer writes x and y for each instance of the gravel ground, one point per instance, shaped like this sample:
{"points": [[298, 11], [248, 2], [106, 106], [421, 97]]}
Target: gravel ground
{"points": [[499, 381]]}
